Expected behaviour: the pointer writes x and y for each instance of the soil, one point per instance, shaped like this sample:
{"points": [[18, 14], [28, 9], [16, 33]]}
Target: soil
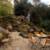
{"points": [[19, 43], [16, 43]]}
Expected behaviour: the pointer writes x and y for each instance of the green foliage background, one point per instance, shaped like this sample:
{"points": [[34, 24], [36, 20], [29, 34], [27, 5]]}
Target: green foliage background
{"points": [[5, 8]]}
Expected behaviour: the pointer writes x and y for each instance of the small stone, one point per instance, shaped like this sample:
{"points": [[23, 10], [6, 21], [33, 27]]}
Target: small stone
{"points": [[1, 35], [5, 40]]}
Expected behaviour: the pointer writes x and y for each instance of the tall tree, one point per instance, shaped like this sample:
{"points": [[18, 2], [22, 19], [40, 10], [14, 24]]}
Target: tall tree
{"points": [[40, 16], [22, 8]]}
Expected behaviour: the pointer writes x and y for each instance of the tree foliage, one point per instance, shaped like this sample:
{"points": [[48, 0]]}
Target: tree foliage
{"points": [[40, 16], [5, 8], [22, 8]]}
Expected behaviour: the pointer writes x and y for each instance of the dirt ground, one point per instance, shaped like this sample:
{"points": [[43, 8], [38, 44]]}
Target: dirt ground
{"points": [[19, 43]]}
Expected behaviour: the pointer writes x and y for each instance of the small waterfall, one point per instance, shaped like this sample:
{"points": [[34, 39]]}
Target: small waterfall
{"points": [[28, 17]]}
